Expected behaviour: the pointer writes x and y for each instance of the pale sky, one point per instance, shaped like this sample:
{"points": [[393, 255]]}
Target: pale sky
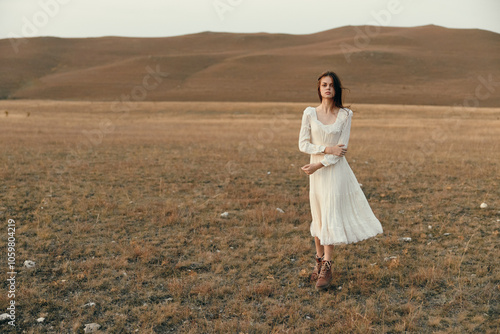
{"points": [[159, 18]]}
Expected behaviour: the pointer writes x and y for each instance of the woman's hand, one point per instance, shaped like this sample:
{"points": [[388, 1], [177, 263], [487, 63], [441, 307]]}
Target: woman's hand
{"points": [[311, 168], [337, 150]]}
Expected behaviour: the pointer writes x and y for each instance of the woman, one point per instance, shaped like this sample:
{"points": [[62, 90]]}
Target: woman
{"points": [[340, 212]]}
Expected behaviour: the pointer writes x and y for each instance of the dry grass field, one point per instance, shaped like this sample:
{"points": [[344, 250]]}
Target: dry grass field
{"points": [[123, 209]]}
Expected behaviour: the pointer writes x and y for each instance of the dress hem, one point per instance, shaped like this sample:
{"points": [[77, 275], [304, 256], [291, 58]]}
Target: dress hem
{"points": [[346, 242]]}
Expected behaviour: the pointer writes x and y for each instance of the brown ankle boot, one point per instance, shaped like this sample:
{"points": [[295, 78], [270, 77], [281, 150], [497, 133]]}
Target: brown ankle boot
{"points": [[325, 276], [317, 268]]}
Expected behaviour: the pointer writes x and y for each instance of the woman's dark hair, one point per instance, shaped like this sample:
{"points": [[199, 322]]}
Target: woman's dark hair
{"points": [[337, 86]]}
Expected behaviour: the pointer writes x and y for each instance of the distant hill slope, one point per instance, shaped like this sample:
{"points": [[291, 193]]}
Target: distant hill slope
{"points": [[421, 65]]}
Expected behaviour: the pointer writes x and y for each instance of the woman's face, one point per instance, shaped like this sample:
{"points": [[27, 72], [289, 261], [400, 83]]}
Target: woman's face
{"points": [[326, 87]]}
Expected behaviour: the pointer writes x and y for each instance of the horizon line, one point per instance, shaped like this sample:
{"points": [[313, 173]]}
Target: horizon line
{"points": [[249, 33]]}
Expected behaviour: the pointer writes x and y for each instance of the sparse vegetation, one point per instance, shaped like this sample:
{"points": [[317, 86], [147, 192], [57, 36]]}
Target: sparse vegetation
{"points": [[396, 65], [124, 210]]}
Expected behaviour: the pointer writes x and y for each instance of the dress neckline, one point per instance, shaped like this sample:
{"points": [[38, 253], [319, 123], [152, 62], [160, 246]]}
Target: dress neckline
{"points": [[336, 118]]}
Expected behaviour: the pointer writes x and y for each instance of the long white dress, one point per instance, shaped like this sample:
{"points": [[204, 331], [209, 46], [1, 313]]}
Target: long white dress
{"points": [[340, 211]]}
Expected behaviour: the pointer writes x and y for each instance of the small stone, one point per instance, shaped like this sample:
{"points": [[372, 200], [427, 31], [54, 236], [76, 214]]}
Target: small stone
{"points": [[447, 234], [91, 328], [4, 317], [280, 210], [407, 239], [268, 173], [29, 264], [89, 304], [224, 214], [429, 227], [41, 319], [483, 206]]}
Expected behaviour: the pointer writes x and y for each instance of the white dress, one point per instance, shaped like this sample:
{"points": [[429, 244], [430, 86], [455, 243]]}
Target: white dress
{"points": [[340, 212]]}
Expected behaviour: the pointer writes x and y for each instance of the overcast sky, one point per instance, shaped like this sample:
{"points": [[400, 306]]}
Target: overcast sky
{"points": [[157, 18]]}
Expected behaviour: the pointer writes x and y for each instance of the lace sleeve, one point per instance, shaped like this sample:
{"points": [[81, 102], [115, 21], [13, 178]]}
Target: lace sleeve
{"points": [[305, 144]]}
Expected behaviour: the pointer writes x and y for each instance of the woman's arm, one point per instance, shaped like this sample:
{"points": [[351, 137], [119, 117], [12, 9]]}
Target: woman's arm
{"points": [[338, 150], [311, 168], [305, 144], [331, 159]]}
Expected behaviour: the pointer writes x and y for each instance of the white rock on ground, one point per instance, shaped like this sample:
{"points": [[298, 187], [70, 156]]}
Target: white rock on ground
{"points": [[41, 319], [91, 328], [89, 304], [4, 317], [224, 214], [29, 264], [280, 210], [483, 206], [405, 239]]}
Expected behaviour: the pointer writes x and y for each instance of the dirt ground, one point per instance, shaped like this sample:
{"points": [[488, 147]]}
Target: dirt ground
{"points": [[121, 206]]}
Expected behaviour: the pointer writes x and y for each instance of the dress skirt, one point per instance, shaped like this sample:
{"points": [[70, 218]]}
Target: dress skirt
{"points": [[340, 211]]}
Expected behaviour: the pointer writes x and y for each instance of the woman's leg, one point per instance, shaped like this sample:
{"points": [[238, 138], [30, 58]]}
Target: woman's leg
{"points": [[320, 249], [325, 276], [328, 252]]}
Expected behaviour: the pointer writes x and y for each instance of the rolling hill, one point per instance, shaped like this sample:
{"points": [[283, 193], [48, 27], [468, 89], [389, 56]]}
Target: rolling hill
{"points": [[427, 65]]}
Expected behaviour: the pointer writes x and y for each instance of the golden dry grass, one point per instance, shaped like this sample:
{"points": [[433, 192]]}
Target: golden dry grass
{"points": [[123, 209]]}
